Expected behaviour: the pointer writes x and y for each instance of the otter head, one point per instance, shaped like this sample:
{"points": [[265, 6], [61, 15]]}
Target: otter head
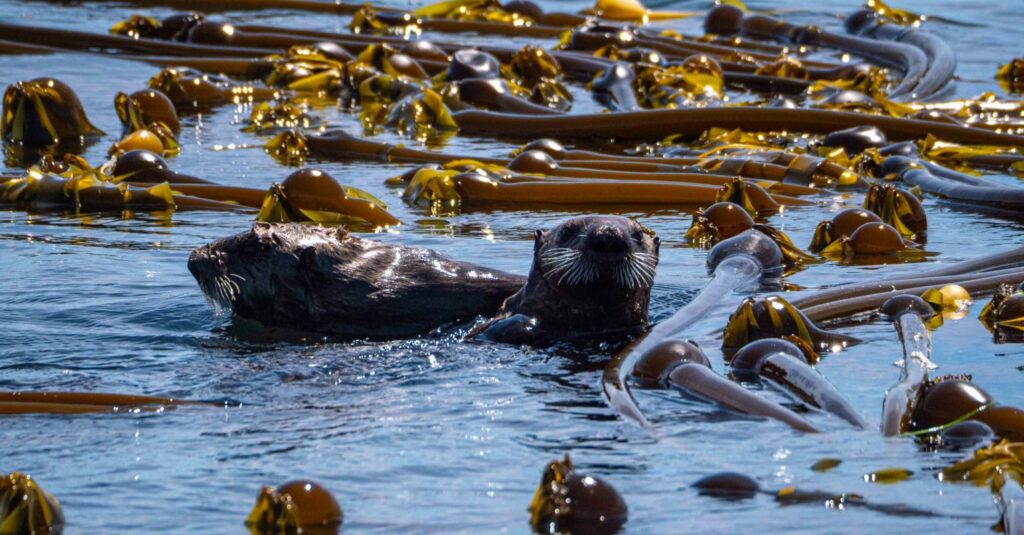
{"points": [[590, 274], [265, 272], [602, 254]]}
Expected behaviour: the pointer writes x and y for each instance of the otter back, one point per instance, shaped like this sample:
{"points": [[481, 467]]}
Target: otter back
{"points": [[314, 279]]}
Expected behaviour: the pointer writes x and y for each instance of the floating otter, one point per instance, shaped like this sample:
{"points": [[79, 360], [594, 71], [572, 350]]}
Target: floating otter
{"points": [[591, 277], [314, 279]]}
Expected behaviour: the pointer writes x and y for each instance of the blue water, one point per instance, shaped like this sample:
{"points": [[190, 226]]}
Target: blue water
{"points": [[429, 435]]}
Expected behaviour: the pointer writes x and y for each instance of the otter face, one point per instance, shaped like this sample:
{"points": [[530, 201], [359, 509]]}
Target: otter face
{"points": [[269, 273], [597, 252]]}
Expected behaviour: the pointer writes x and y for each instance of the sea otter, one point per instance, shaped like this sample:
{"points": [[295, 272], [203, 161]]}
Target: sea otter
{"points": [[313, 279], [591, 279]]}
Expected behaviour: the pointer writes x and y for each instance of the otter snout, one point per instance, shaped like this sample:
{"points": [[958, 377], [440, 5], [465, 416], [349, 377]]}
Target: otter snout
{"points": [[608, 243], [209, 267], [205, 264]]}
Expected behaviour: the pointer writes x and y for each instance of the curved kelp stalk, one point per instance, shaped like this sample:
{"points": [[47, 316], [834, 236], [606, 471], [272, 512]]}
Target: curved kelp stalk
{"points": [[952, 185], [941, 59], [784, 365], [733, 263], [908, 59], [682, 365], [908, 314]]}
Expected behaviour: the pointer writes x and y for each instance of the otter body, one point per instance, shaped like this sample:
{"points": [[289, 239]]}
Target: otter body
{"points": [[591, 279], [314, 279]]}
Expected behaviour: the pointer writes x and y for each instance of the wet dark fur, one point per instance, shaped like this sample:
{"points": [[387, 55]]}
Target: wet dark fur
{"points": [[555, 306], [313, 279]]}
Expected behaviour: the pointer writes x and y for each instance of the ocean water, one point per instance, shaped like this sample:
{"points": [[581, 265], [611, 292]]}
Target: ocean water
{"points": [[432, 434]]}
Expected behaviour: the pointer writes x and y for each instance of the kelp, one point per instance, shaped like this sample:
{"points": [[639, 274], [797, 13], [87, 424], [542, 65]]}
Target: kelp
{"points": [[784, 67], [1003, 315], [293, 508], [144, 108], [481, 10], [288, 147], [42, 112], [774, 317], [25, 507], [536, 74], [136, 26], [421, 116], [277, 115], [434, 188], [633, 11], [964, 157], [988, 463], [952, 301], [191, 90], [29, 402], [1001, 468], [368, 21], [149, 121], [752, 197], [1011, 76], [793, 258], [566, 501], [86, 193], [311, 196], [898, 208], [896, 15], [873, 243], [697, 80], [717, 222], [305, 69], [155, 138]]}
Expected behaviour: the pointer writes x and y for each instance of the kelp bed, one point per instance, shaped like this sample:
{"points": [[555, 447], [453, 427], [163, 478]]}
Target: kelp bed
{"points": [[414, 434]]}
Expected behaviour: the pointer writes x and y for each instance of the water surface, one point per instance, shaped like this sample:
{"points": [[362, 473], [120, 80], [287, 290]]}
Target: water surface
{"points": [[431, 434]]}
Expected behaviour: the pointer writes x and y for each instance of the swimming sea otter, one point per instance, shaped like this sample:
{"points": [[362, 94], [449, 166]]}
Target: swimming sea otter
{"points": [[314, 279], [591, 279]]}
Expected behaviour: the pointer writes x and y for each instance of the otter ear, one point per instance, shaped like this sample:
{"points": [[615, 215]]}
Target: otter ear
{"points": [[538, 240]]}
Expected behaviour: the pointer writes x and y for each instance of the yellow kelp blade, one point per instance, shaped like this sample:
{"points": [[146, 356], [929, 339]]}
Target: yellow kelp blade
{"points": [[288, 147], [1011, 76], [792, 256], [26, 508], [899, 16], [442, 9], [279, 207], [987, 462], [634, 11], [433, 187], [273, 513]]}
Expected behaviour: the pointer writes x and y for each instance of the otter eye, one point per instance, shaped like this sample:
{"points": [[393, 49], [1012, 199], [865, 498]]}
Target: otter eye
{"points": [[638, 236], [567, 231]]}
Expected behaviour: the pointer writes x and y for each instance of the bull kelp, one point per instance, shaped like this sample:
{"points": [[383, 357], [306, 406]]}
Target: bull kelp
{"points": [[872, 150]]}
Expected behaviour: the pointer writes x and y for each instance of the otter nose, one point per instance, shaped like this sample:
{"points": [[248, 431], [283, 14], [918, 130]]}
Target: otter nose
{"points": [[608, 241]]}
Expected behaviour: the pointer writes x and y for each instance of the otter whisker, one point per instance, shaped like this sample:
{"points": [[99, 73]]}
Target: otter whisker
{"points": [[559, 260], [569, 273], [560, 264]]}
